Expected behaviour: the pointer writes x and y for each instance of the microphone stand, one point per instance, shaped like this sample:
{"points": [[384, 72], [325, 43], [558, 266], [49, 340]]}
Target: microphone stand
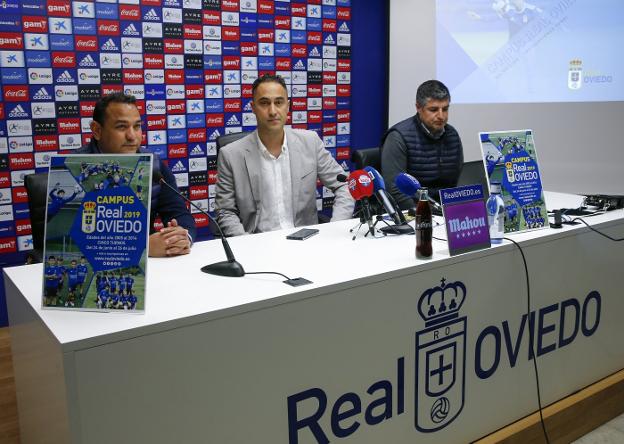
{"points": [[402, 228], [365, 218], [230, 267]]}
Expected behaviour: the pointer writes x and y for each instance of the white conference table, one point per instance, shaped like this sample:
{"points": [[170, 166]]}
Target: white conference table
{"points": [[348, 357]]}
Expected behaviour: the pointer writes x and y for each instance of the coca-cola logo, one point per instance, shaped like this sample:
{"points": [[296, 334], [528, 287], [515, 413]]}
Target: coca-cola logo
{"points": [[214, 120], [314, 37], [344, 13], [86, 43], [108, 28], [197, 135], [299, 50], [66, 60], [129, 12]]}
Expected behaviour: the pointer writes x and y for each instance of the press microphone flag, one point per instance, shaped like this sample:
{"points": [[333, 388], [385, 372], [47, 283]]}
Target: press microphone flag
{"points": [[360, 185], [361, 188]]}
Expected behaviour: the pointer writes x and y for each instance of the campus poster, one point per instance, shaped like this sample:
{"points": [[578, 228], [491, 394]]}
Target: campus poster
{"points": [[97, 228], [510, 158]]}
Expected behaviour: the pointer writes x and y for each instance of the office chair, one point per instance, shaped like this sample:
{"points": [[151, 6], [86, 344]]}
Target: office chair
{"points": [[36, 188], [229, 138], [367, 157]]}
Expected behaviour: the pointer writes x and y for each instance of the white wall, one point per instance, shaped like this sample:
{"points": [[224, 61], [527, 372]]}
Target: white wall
{"points": [[580, 146]]}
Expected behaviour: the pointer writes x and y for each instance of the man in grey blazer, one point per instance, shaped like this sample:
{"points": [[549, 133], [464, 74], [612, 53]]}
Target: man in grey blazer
{"points": [[267, 180]]}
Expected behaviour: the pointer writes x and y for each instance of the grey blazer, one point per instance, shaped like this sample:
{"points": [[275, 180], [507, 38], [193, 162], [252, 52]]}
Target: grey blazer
{"points": [[239, 185]]}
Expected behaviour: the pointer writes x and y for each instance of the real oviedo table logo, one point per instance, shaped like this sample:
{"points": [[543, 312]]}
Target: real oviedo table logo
{"points": [[440, 357]]}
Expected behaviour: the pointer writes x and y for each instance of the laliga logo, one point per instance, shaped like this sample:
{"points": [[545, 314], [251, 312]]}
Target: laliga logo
{"points": [[440, 357]]}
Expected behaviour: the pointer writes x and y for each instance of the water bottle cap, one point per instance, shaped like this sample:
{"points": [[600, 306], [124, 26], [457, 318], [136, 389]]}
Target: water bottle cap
{"points": [[495, 187]]}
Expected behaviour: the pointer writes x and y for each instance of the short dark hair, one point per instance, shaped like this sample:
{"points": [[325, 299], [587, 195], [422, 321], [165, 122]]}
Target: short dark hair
{"points": [[268, 78], [100, 107], [432, 89]]}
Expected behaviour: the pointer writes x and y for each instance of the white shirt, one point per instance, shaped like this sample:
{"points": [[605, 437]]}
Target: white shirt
{"points": [[276, 208]]}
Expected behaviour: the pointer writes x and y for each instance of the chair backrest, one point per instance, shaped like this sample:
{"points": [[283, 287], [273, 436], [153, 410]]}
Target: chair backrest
{"points": [[229, 138], [473, 172], [37, 190], [367, 157]]}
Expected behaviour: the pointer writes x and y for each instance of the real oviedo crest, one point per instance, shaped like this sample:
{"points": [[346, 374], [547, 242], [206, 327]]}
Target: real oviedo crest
{"points": [[440, 357]]}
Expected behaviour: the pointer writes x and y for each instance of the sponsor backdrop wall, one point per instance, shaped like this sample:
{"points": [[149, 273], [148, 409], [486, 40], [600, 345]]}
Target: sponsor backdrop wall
{"points": [[191, 64]]}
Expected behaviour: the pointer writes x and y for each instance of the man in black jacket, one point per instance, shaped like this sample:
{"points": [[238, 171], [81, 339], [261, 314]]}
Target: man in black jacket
{"points": [[423, 145], [116, 129]]}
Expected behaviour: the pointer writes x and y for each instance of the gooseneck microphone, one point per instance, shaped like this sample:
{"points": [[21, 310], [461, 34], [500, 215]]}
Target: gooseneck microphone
{"points": [[231, 267]]}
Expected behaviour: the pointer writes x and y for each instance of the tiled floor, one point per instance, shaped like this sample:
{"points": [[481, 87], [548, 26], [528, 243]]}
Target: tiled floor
{"points": [[609, 433]]}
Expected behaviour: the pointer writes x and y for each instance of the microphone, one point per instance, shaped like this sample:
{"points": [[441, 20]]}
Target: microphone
{"points": [[361, 188], [230, 267], [380, 193], [409, 185]]}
